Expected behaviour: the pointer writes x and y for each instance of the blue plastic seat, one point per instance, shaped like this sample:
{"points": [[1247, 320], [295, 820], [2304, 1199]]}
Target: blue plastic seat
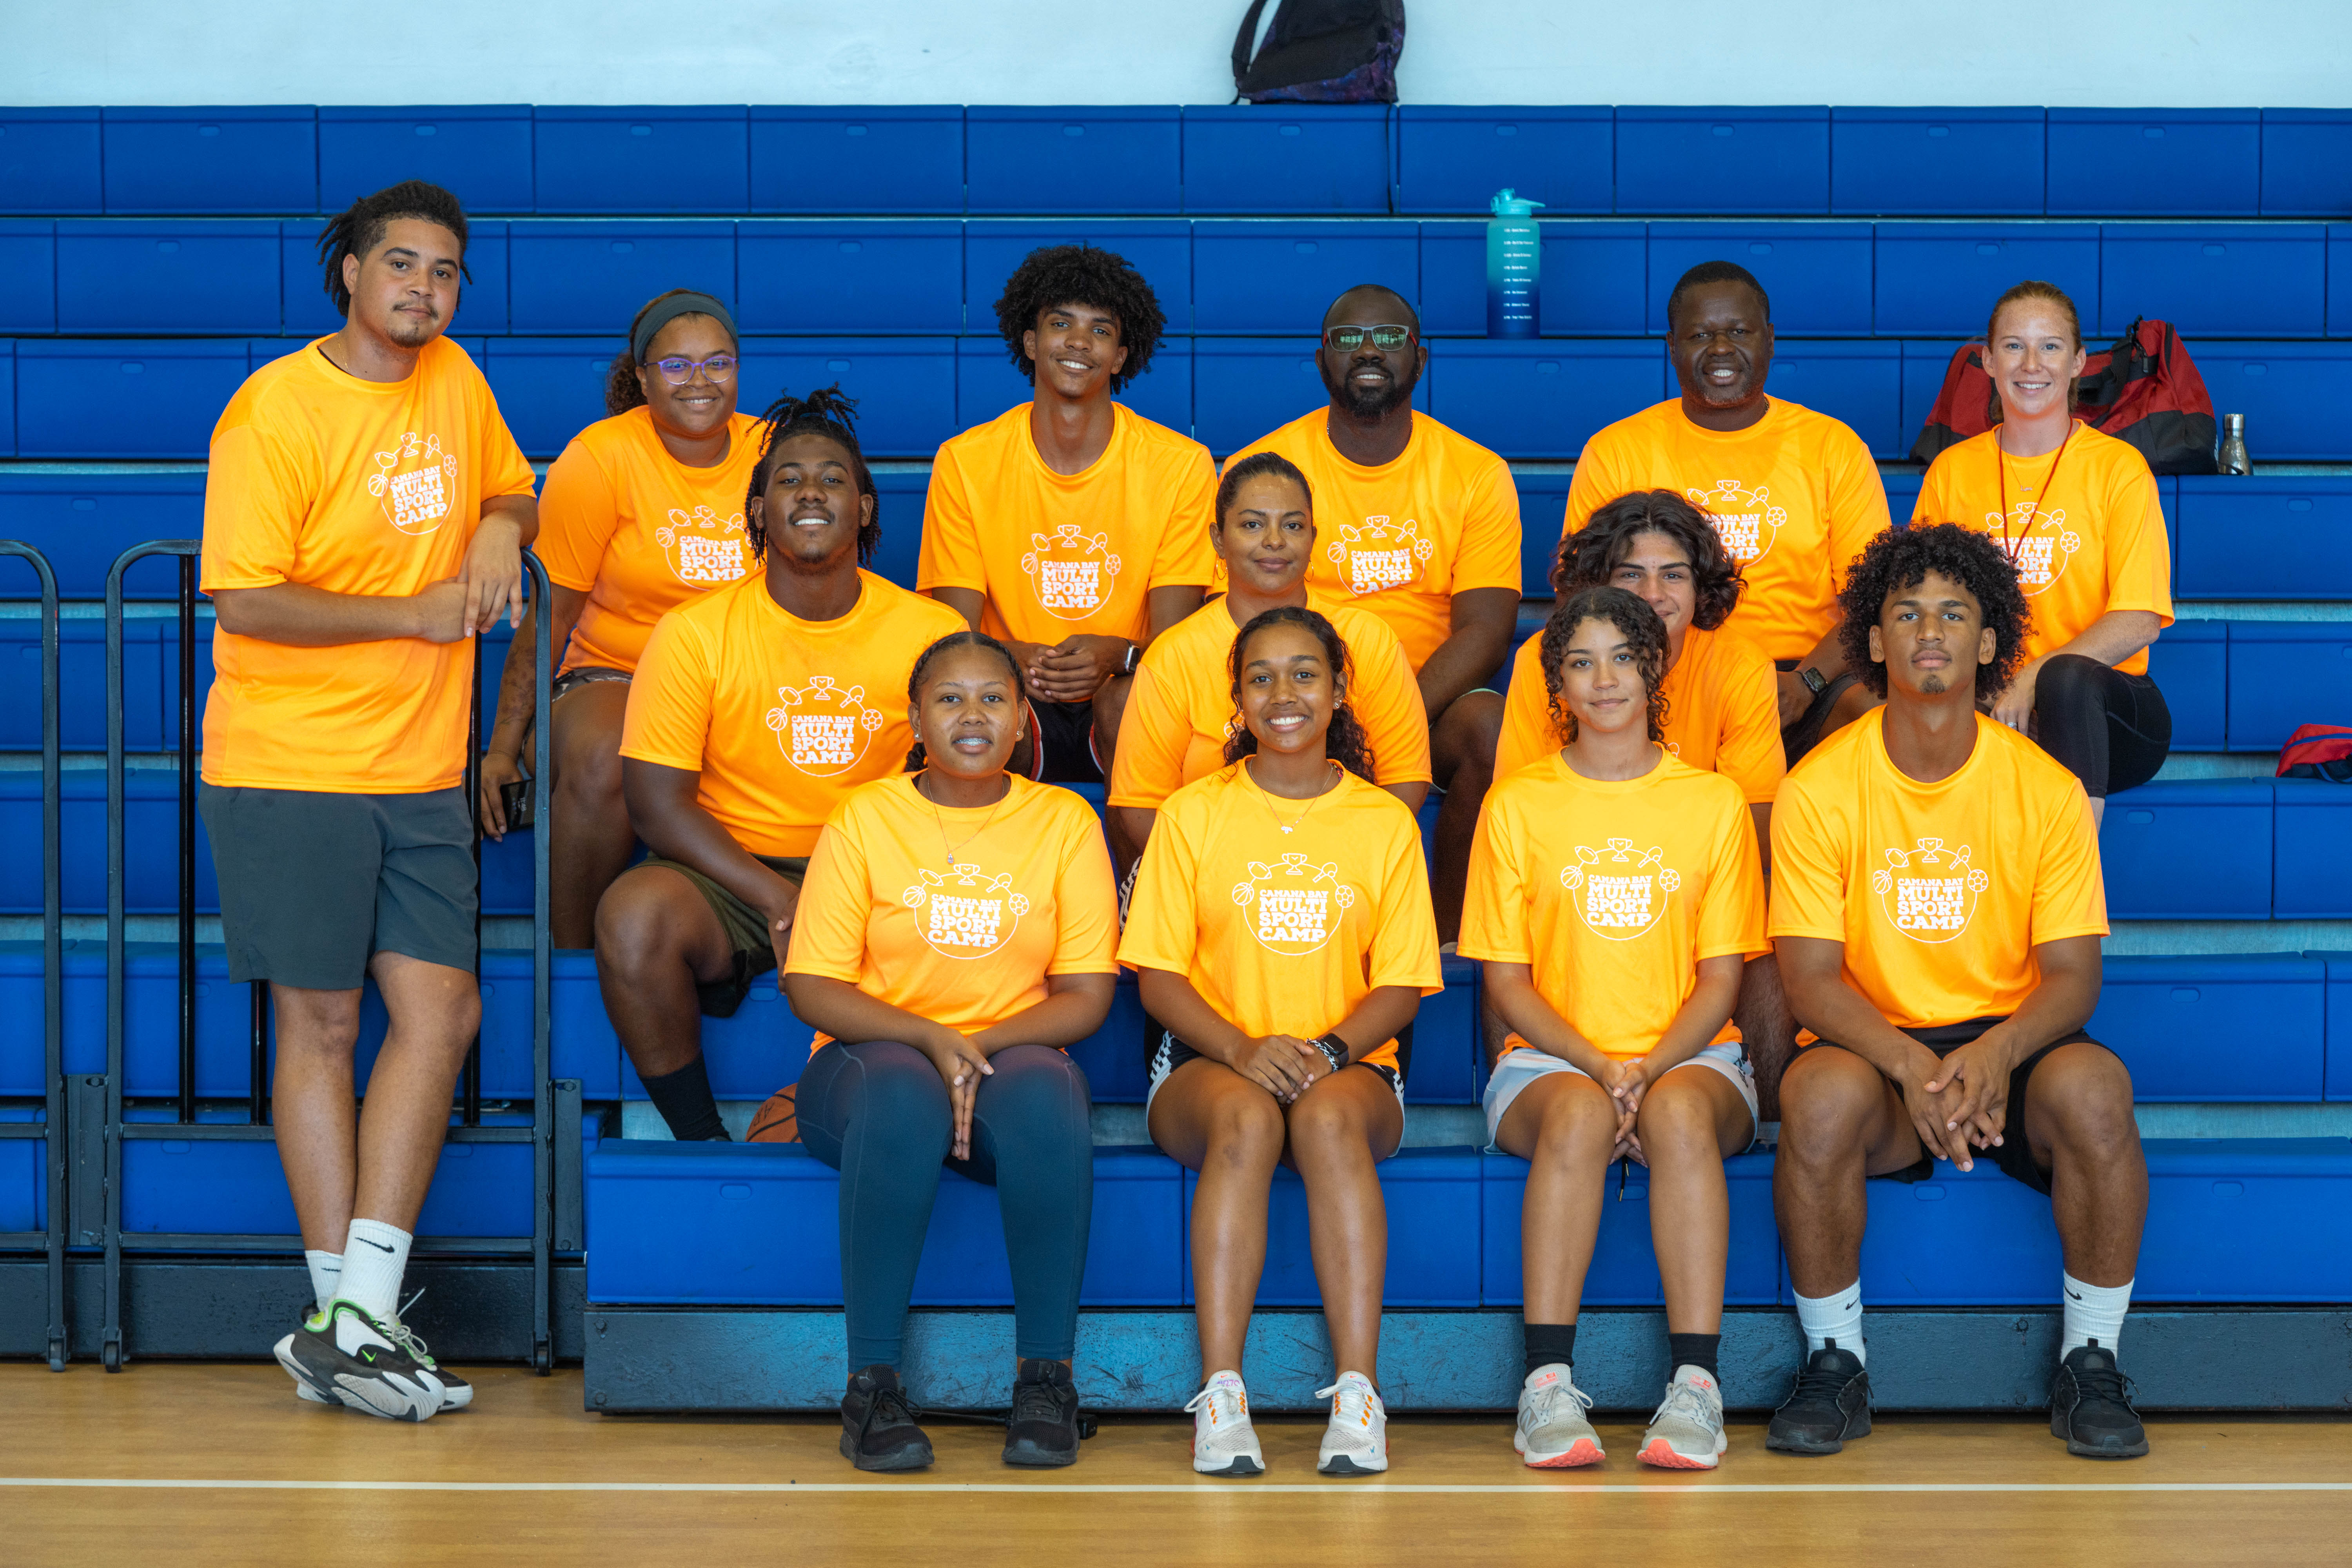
{"points": [[2307, 163], [871, 276], [1818, 274], [480, 154], [1084, 159], [2314, 876], [1543, 516], [1282, 277], [211, 161], [1287, 158], [1594, 280], [899, 496], [2339, 263], [1856, 380], [2286, 392], [857, 158], [1723, 160], [2281, 537], [2283, 674], [50, 162], [2190, 665], [2189, 850], [2242, 1027], [1452, 159], [641, 158], [1625, 1270], [549, 389], [192, 276], [149, 647], [1542, 401], [28, 275], [161, 398], [2154, 162], [1940, 279], [1934, 162], [1925, 365], [2339, 1023], [82, 522], [2265, 279], [904, 387], [593, 278]]}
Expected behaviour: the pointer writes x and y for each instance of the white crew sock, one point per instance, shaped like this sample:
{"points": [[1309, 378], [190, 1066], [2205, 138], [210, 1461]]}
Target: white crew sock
{"points": [[2093, 1312], [326, 1270], [1836, 1317], [374, 1261]]}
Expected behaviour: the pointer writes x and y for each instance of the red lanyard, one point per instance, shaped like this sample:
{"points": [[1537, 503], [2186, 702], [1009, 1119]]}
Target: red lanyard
{"points": [[2000, 464]]}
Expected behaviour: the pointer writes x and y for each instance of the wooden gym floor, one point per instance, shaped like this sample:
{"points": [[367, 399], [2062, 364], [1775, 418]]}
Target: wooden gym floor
{"points": [[213, 1463]]}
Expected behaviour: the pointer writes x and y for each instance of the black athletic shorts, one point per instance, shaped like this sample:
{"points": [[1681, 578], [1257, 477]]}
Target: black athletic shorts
{"points": [[746, 928], [1062, 739], [2012, 1154]]}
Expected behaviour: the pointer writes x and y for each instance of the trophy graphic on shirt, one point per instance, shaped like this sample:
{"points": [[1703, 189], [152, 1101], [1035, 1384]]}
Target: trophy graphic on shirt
{"points": [[1746, 520], [1930, 892], [823, 728], [1070, 571], [963, 911], [2038, 543], [414, 483], [1379, 554], [1618, 889], [703, 548], [1294, 903]]}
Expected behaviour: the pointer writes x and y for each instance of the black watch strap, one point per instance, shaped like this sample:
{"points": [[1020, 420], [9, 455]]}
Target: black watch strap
{"points": [[1134, 658], [1815, 681], [1334, 1048]]}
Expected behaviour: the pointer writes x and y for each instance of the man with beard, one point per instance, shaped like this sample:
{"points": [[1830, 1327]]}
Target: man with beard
{"points": [[1420, 526], [1794, 493]]}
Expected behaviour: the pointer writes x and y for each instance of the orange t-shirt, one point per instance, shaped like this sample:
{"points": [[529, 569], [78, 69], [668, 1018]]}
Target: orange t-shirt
{"points": [[2091, 539], [782, 717], [1723, 712], [1181, 707], [639, 533], [1405, 537], [1795, 496], [355, 487], [1060, 555], [1611, 891], [967, 943], [1940, 893], [1285, 933]]}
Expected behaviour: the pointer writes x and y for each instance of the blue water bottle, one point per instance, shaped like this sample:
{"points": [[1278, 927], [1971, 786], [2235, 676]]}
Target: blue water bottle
{"points": [[1514, 266]]}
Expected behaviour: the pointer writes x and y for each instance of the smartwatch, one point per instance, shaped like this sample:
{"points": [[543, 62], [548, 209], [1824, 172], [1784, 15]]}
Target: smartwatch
{"points": [[1335, 1050], [1134, 658], [1815, 682]]}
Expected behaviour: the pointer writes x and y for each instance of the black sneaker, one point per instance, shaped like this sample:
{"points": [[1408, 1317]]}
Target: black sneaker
{"points": [[2091, 1408], [1830, 1405], [1044, 1427], [877, 1423]]}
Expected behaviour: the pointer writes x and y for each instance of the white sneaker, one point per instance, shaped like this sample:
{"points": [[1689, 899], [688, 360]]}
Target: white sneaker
{"points": [[1553, 1434], [1223, 1444], [1686, 1434], [1356, 1441]]}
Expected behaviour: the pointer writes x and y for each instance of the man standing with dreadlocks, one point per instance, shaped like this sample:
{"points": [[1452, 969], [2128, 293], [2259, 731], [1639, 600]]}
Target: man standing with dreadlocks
{"points": [[364, 516], [1071, 527]]}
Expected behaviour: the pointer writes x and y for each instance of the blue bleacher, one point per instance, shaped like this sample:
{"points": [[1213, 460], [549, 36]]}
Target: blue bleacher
{"points": [[2339, 1023], [481, 154], [1818, 274], [200, 276], [862, 158], [2307, 163], [51, 161], [2250, 280], [1540, 400], [1727, 159], [2313, 879], [865, 275], [1934, 162], [1293, 159], [1452, 159], [28, 275], [2153, 162], [2283, 674], [2243, 1027], [1857, 380], [666, 158], [2224, 522], [211, 161], [594, 276], [162, 397], [1260, 277], [1104, 160], [1159, 248], [2190, 665], [1941, 279], [2188, 850]]}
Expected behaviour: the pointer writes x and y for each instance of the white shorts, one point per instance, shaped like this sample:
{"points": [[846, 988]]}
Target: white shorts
{"points": [[1522, 1067]]}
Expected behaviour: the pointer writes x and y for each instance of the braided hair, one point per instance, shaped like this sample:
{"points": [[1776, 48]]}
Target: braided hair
{"points": [[1588, 556], [1081, 275], [1645, 636], [1900, 559], [358, 230], [828, 412], [622, 391], [1344, 742], [916, 760]]}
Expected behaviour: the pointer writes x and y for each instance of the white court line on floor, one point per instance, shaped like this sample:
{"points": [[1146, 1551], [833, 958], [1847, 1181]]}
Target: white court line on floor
{"points": [[1223, 1489]]}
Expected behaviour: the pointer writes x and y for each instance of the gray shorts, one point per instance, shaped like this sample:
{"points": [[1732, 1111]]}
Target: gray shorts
{"points": [[313, 885]]}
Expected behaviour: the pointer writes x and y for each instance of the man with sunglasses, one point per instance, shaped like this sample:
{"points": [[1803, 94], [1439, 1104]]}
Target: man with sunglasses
{"points": [[1420, 526]]}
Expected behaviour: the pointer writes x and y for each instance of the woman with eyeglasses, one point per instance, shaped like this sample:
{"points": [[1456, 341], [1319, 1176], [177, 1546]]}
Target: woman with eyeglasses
{"points": [[643, 511]]}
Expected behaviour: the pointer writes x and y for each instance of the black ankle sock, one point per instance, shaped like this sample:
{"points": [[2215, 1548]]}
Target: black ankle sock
{"points": [[1694, 1350], [684, 1101], [1550, 1343]]}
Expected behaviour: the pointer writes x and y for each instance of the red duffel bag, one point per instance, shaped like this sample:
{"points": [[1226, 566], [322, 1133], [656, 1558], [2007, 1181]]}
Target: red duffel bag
{"points": [[2145, 390]]}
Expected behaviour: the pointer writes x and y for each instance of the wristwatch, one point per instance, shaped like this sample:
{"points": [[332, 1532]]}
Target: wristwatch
{"points": [[1335, 1050], [1815, 681], [1134, 658]]}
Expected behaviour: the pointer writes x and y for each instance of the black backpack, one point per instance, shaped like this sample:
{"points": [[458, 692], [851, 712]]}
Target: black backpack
{"points": [[1320, 51]]}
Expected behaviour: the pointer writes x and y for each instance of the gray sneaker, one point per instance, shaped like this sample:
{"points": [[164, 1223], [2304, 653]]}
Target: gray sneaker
{"points": [[1552, 1433], [1686, 1434]]}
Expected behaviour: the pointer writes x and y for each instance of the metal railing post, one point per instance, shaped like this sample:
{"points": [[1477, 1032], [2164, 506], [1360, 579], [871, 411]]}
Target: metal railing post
{"points": [[542, 980]]}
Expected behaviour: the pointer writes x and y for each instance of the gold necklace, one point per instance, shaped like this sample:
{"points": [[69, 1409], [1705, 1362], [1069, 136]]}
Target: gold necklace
{"points": [[1293, 823], [975, 832]]}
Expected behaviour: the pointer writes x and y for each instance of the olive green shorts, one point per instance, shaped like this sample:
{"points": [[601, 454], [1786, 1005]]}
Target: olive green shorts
{"points": [[746, 928]]}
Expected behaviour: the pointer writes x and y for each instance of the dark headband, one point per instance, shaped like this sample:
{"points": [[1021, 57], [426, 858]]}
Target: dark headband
{"points": [[670, 309]]}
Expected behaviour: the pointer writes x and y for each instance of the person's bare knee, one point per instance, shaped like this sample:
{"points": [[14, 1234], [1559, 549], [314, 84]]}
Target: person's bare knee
{"points": [[2080, 1100], [1465, 737], [1828, 1098], [1677, 1117], [1576, 1126], [635, 937], [1246, 1129], [308, 1023], [431, 1005]]}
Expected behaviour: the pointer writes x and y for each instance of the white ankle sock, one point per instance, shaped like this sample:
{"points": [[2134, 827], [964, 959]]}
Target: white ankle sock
{"points": [[2093, 1312], [326, 1270], [374, 1258], [1834, 1317]]}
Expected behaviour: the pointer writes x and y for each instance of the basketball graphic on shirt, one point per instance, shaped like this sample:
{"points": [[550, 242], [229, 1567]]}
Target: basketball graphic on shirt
{"points": [[704, 549], [1746, 520], [1620, 892], [2038, 542], [1070, 571], [1294, 906], [965, 911], [1930, 892], [823, 729], [414, 483], [1379, 555]]}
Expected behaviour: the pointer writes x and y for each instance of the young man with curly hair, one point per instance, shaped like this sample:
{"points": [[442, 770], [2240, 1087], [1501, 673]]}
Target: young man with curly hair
{"points": [[1071, 527], [1936, 909]]}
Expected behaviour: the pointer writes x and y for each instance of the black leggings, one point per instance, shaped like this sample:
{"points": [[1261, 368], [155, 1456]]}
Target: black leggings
{"points": [[878, 1113], [2110, 729]]}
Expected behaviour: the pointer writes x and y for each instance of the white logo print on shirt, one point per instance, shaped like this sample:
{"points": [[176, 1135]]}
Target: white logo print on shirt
{"points": [[414, 483], [1621, 892], [963, 913], [704, 550], [1379, 555], [823, 728], [2038, 541], [1292, 903], [1746, 519], [1070, 572], [1929, 893]]}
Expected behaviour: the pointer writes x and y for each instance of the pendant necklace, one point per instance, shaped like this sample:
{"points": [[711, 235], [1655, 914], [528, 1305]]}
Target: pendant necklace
{"points": [[1292, 825], [951, 848]]}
